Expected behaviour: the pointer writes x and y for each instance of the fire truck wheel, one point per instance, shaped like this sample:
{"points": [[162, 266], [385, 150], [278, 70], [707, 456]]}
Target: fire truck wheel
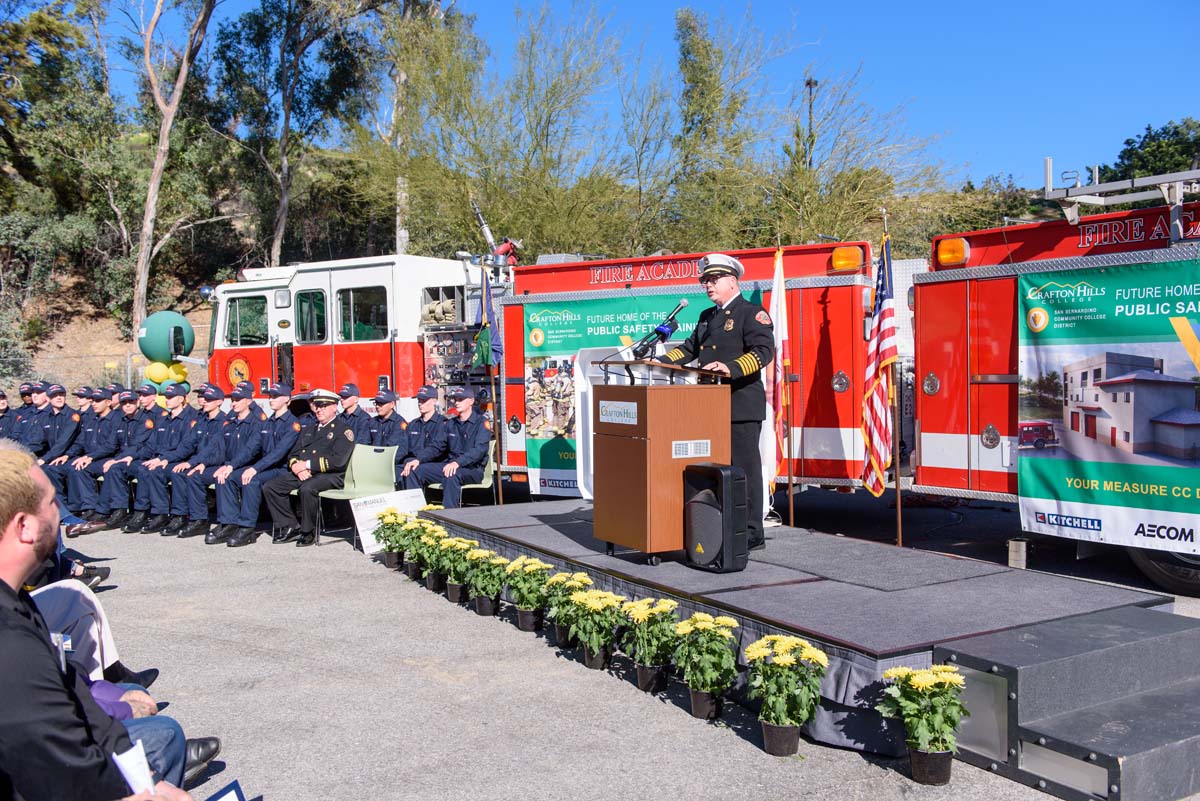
{"points": [[1039, 443], [1175, 572]]}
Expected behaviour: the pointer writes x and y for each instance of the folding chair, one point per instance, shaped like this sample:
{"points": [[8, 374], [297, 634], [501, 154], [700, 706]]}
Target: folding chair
{"points": [[372, 471], [488, 474]]}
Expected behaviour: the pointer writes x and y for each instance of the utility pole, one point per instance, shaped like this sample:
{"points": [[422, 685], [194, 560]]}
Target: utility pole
{"points": [[810, 89]]}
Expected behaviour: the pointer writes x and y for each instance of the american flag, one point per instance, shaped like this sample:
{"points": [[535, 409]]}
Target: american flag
{"points": [[881, 352]]}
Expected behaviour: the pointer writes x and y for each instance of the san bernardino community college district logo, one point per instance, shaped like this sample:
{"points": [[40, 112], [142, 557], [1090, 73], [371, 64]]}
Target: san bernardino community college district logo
{"points": [[537, 337], [1037, 319]]}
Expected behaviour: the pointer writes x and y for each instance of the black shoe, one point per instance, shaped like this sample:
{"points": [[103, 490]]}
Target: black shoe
{"points": [[288, 534], [93, 577], [200, 751], [117, 518], [156, 524], [175, 525], [306, 540], [195, 529], [133, 522], [219, 534], [757, 545], [117, 673], [91, 515], [246, 535]]}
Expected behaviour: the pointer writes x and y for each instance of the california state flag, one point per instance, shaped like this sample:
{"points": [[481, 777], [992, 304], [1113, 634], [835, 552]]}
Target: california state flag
{"points": [[772, 438]]}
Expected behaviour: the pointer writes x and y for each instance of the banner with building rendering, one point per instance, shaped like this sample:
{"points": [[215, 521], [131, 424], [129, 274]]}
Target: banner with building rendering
{"points": [[1108, 437]]}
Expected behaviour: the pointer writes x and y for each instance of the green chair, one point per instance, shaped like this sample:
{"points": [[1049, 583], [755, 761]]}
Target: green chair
{"points": [[489, 471], [372, 471]]}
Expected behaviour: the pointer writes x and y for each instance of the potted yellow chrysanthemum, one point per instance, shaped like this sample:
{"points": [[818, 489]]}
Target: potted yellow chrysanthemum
{"points": [[929, 703], [527, 590], [785, 673], [597, 615], [650, 639], [485, 578], [411, 531], [388, 533], [705, 654], [559, 608], [454, 560]]}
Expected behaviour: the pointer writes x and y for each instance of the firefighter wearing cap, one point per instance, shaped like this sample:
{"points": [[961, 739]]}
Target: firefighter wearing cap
{"points": [[152, 420], [468, 442], [62, 426], [131, 436], [29, 429], [192, 477], [172, 446], [8, 418], [240, 497], [243, 447], [734, 337], [317, 462], [353, 414], [389, 429], [426, 437], [94, 445]]}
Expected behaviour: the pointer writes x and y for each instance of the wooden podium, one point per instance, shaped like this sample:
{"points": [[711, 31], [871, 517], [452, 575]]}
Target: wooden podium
{"points": [[645, 434]]}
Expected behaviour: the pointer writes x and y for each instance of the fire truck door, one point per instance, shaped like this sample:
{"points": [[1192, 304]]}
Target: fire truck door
{"points": [[312, 351], [942, 382], [244, 340], [994, 374], [363, 328]]}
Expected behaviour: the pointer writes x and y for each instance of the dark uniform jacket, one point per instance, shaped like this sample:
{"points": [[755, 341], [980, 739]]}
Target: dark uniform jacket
{"points": [[209, 435], [392, 431], [61, 431], [741, 337], [245, 442], [360, 423], [468, 441], [176, 443], [282, 432], [8, 420], [133, 434], [28, 430], [326, 448], [427, 438], [55, 741]]}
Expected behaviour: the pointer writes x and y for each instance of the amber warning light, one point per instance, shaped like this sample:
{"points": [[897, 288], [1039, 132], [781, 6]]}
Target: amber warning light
{"points": [[953, 252], [847, 257]]}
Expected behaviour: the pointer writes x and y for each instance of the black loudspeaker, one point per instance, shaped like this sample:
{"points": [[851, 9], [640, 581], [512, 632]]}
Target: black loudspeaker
{"points": [[714, 517]]}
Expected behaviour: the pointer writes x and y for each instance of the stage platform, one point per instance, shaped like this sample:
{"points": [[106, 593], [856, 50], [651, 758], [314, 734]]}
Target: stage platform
{"points": [[871, 606]]}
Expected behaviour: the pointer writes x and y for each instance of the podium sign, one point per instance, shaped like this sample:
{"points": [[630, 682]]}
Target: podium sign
{"points": [[644, 435]]}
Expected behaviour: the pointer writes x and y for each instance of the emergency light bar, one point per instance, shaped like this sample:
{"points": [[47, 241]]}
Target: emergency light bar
{"points": [[953, 252], [847, 257]]}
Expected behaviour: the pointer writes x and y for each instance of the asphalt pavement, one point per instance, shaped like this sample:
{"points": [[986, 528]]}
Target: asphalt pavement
{"points": [[328, 677]]}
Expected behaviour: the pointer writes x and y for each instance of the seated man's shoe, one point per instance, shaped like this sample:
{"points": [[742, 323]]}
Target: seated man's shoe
{"points": [[81, 529], [176, 524], [196, 528], [245, 535], [288, 534], [92, 577], [156, 524], [117, 518], [757, 545], [133, 523], [306, 539], [91, 515], [218, 535], [118, 673], [200, 751]]}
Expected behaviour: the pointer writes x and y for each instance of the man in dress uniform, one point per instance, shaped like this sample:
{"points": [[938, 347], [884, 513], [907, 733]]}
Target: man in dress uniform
{"points": [[426, 438], [242, 491], [468, 440], [317, 462], [735, 338], [29, 429], [353, 414], [95, 444], [389, 428], [61, 426], [132, 433]]}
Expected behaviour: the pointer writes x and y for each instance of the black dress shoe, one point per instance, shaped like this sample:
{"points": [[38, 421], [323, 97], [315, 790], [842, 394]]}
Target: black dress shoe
{"points": [[87, 527], [306, 540], [200, 751], [133, 523], [91, 515], [176, 524], [156, 524], [757, 545], [196, 528], [218, 535], [117, 518], [246, 535], [118, 673], [289, 534]]}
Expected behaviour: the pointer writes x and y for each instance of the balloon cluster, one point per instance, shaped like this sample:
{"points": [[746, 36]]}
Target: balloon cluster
{"points": [[155, 339]]}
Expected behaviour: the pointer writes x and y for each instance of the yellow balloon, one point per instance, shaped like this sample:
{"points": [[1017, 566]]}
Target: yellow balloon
{"points": [[177, 372], [157, 372], [161, 401]]}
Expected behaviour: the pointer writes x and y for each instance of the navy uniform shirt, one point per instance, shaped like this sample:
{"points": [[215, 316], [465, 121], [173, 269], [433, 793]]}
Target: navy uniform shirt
{"points": [[359, 422], [741, 337], [101, 441], [133, 436], [8, 419], [28, 430], [389, 431], [282, 430], [61, 430], [245, 442], [209, 435], [427, 438], [468, 441], [176, 443]]}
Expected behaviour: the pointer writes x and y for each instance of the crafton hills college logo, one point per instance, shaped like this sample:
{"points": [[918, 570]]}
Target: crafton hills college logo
{"points": [[1037, 319]]}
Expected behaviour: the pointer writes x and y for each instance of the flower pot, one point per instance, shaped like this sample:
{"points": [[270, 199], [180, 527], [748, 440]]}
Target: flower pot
{"points": [[652, 678], [435, 582], [486, 606], [780, 740], [413, 570], [456, 593], [529, 619], [597, 660], [930, 767], [562, 635], [392, 560], [706, 706]]}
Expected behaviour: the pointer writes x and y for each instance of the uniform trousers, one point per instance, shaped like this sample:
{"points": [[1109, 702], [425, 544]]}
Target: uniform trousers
{"points": [[152, 495], [743, 453], [427, 474], [238, 503], [82, 490], [114, 494], [57, 473], [277, 496], [197, 491]]}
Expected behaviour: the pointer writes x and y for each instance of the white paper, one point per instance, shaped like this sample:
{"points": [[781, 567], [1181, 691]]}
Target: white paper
{"points": [[135, 768], [366, 513]]}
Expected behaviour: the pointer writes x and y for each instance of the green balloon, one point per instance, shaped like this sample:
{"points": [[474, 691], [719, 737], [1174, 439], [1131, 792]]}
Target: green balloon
{"points": [[154, 337]]}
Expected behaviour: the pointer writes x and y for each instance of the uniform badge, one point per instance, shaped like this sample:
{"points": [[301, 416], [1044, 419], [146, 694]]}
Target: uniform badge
{"points": [[149, 424], [329, 435], [729, 325], [295, 426], [763, 318], [349, 435], [75, 418]]}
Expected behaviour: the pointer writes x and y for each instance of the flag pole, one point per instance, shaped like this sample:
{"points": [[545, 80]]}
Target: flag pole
{"points": [[896, 430], [791, 468], [496, 422]]}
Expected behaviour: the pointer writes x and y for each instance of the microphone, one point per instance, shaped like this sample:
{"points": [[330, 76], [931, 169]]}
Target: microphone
{"points": [[661, 332]]}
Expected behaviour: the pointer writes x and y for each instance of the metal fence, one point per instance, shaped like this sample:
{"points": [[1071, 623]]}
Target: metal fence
{"points": [[94, 370]]}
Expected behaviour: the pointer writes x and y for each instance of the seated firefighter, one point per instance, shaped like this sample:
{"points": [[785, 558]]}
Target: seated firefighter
{"points": [[317, 462], [468, 442]]}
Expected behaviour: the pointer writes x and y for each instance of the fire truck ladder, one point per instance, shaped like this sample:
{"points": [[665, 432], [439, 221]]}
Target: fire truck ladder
{"points": [[1170, 188]]}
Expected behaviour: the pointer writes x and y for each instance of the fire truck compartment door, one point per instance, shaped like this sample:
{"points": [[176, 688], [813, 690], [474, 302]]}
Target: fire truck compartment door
{"points": [[942, 384], [994, 384]]}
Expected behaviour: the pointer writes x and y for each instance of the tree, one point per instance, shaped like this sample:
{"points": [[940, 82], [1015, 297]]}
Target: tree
{"points": [[1175, 147], [168, 106]]}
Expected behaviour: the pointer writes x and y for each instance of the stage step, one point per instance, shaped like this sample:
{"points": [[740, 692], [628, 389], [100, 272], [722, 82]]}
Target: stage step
{"points": [[1076, 706]]}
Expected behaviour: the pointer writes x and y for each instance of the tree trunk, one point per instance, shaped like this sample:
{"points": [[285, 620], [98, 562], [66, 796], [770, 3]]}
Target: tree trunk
{"points": [[149, 217], [281, 211], [401, 215]]}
